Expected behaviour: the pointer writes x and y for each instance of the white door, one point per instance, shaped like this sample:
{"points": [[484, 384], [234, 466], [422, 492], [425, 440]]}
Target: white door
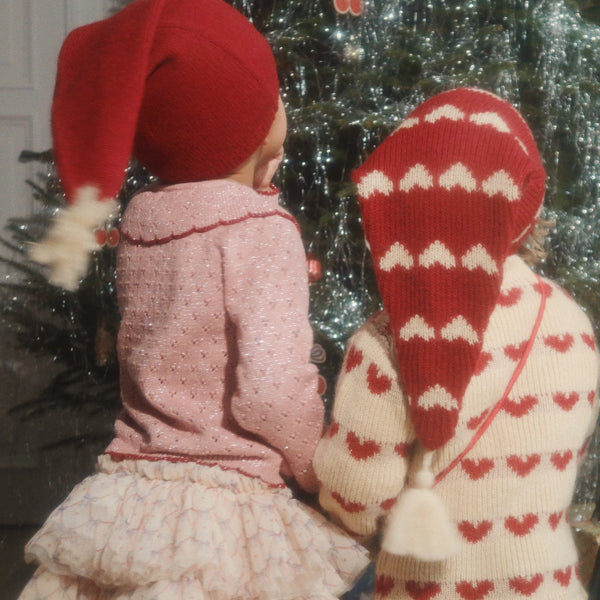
{"points": [[31, 32]]}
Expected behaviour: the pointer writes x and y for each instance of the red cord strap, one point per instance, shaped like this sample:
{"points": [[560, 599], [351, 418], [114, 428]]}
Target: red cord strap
{"points": [[487, 422]]}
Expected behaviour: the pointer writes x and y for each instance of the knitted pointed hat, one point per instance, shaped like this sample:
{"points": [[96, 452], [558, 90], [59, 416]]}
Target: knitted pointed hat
{"points": [[187, 86], [445, 200]]}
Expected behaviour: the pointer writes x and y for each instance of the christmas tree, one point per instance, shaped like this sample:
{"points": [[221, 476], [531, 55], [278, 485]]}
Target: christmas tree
{"points": [[348, 78]]}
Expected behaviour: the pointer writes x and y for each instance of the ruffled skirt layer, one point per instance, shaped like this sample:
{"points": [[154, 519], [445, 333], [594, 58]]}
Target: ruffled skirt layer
{"points": [[142, 530]]}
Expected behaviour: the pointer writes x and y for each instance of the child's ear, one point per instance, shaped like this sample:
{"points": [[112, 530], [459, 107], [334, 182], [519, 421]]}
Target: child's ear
{"points": [[265, 170], [270, 147]]}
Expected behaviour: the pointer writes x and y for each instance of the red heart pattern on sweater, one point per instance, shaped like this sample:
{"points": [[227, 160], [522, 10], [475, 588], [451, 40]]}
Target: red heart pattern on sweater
{"points": [[566, 402], [377, 383], [384, 584], [349, 507], [474, 422], [388, 504], [519, 408], [525, 586], [563, 576], [515, 351], [334, 429], [361, 450], [561, 459], [589, 340], [476, 469], [403, 449], [474, 591], [561, 343], [545, 287], [510, 297], [422, 591], [554, 519], [522, 466], [483, 360], [353, 359], [521, 526], [591, 397], [474, 532]]}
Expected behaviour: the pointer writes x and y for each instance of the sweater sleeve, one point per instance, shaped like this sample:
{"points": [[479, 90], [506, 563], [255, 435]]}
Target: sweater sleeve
{"points": [[266, 298], [362, 461]]}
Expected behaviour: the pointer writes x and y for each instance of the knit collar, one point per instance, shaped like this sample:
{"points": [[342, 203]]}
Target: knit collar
{"points": [[162, 213]]}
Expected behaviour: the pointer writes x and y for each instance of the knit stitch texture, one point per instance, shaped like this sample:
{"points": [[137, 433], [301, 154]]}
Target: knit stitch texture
{"points": [[445, 199], [220, 400], [510, 495], [214, 344]]}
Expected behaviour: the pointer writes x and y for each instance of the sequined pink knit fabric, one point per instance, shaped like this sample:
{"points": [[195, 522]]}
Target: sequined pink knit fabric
{"points": [[214, 343]]}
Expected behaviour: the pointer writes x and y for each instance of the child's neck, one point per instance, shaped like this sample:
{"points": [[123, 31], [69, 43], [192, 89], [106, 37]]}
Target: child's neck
{"points": [[240, 178]]}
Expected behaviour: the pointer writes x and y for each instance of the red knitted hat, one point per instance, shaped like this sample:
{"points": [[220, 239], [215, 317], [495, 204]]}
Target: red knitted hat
{"points": [[445, 200], [189, 87]]}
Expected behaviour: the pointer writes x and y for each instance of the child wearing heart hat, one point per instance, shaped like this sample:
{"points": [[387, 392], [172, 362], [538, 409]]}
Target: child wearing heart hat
{"points": [[463, 408], [220, 400]]}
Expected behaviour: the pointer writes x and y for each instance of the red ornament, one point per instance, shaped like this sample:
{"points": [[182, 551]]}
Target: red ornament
{"points": [[107, 237], [354, 7], [321, 386], [314, 268]]}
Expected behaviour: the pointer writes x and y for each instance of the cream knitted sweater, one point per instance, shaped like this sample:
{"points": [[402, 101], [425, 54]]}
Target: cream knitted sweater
{"points": [[510, 494]]}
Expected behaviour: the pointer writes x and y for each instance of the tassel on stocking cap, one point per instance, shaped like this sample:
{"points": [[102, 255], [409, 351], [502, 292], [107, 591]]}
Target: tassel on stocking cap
{"points": [[445, 200], [189, 87], [419, 524]]}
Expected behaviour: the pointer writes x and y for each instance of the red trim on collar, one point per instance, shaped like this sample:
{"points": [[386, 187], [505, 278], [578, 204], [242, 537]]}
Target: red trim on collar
{"points": [[220, 223], [272, 191]]}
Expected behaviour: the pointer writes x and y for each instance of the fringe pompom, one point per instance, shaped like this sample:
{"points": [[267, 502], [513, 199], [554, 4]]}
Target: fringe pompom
{"points": [[419, 524], [70, 239]]}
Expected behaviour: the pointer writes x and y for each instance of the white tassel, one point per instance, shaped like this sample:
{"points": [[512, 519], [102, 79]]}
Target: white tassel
{"points": [[419, 525], [70, 238]]}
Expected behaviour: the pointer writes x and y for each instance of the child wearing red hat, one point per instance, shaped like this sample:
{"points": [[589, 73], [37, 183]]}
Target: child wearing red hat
{"points": [[463, 408], [219, 397]]}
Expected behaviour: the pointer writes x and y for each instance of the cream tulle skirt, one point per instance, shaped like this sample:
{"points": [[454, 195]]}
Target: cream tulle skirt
{"points": [[141, 530]]}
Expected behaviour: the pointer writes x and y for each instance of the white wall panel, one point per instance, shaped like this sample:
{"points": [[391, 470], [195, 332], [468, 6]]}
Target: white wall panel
{"points": [[15, 44], [16, 133], [31, 33], [80, 12]]}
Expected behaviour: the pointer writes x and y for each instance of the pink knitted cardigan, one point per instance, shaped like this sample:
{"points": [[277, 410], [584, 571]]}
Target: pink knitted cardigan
{"points": [[214, 343]]}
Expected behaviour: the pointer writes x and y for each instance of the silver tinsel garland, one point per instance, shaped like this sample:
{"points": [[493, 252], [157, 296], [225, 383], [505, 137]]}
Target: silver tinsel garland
{"points": [[541, 55]]}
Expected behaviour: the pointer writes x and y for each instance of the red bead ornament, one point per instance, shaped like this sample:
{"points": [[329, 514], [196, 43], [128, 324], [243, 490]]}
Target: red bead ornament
{"points": [[313, 265], [354, 7], [322, 385], [107, 237]]}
